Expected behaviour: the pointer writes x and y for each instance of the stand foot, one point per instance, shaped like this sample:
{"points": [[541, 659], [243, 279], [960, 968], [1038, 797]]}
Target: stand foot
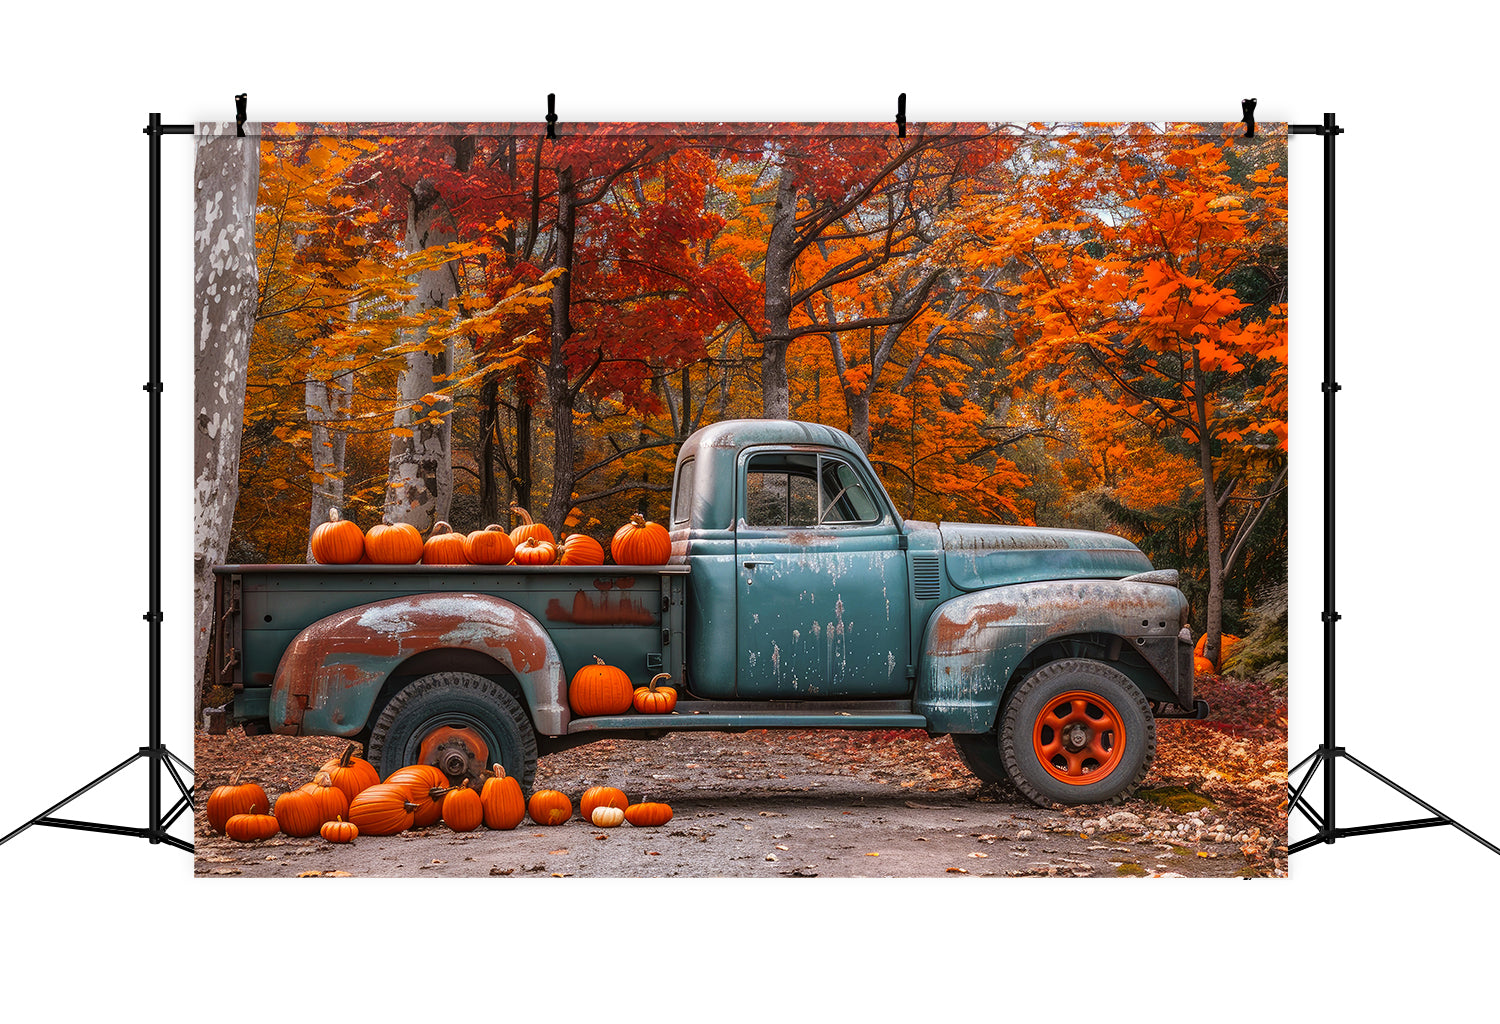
{"points": [[1327, 832], [156, 833]]}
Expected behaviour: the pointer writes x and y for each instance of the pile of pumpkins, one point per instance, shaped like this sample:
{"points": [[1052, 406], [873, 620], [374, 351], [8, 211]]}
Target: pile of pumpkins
{"points": [[341, 542], [347, 799], [1202, 666]]}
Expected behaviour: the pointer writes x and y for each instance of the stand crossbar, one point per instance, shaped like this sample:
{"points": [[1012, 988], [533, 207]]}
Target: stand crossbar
{"points": [[155, 753], [1329, 753]]}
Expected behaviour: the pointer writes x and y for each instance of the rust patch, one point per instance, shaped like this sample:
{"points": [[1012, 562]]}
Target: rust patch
{"points": [[609, 610]]}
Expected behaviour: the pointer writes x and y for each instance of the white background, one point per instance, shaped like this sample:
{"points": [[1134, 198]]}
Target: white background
{"points": [[1398, 924]]}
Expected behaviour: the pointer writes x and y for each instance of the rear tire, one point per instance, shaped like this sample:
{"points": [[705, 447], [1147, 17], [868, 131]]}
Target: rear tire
{"points": [[462, 701], [1077, 732]]}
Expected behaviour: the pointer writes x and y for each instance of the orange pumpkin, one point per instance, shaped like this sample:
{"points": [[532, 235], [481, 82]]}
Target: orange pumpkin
{"points": [[532, 551], [648, 815], [330, 800], [250, 827], [600, 689], [489, 546], [444, 547], [655, 700], [529, 529], [235, 798], [339, 831], [601, 796], [394, 544], [425, 785], [640, 542], [338, 541], [580, 549], [549, 807], [463, 810], [504, 806], [382, 810], [351, 774], [297, 813], [1203, 667]]}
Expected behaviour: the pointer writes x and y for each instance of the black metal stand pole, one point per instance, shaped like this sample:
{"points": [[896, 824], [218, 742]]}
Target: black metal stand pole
{"points": [[156, 754], [1329, 753]]}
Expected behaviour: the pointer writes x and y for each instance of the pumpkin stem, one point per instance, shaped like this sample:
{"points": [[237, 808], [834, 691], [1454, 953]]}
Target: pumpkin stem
{"points": [[333, 515], [525, 516], [323, 780], [493, 528], [638, 520], [440, 527], [499, 770], [598, 660], [659, 675], [345, 760]]}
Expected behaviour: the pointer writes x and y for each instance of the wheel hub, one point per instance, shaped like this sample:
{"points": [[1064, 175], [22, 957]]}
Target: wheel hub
{"points": [[1076, 738], [459, 752]]}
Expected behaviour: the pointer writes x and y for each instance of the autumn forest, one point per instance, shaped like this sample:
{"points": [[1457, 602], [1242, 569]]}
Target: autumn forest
{"points": [[1066, 325]]}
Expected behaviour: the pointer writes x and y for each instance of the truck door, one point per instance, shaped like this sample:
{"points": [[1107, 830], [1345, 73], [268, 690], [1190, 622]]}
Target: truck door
{"points": [[822, 588]]}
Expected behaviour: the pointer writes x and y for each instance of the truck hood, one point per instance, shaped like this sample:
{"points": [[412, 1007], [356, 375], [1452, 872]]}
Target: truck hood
{"points": [[979, 555]]}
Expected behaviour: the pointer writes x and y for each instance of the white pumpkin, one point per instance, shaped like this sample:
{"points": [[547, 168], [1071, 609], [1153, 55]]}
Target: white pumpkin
{"points": [[607, 817]]}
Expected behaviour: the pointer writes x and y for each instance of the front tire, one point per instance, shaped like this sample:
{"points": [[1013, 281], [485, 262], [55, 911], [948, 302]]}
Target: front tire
{"points": [[1077, 732], [464, 721]]}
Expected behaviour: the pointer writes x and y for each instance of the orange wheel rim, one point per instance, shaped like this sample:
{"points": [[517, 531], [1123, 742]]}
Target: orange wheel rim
{"points": [[1079, 738], [454, 749]]}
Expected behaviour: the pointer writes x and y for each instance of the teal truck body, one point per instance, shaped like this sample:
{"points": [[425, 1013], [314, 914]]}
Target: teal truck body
{"points": [[796, 596]]}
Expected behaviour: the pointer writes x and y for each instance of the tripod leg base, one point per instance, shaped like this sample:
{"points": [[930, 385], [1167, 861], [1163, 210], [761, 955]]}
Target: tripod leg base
{"points": [[157, 834]]}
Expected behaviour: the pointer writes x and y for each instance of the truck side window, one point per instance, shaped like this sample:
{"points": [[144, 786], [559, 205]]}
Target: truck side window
{"points": [[781, 490], [797, 490], [682, 501]]}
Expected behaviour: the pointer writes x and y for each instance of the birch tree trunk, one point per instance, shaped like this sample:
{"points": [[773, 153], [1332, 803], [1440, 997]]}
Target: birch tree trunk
{"points": [[327, 401], [420, 487], [781, 253], [225, 294]]}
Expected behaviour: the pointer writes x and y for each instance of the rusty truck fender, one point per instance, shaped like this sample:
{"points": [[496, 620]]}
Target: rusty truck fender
{"points": [[974, 643], [330, 676]]}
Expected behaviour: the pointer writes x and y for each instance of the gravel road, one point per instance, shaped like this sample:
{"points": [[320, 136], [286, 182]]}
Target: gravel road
{"points": [[761, 805]]}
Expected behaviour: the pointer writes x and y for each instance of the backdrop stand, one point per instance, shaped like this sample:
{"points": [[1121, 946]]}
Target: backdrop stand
{"points": [[1329, 753], [156, 754]]}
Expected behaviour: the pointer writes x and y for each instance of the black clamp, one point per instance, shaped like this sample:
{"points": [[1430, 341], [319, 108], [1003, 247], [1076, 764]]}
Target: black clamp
{"points": [[1330, 388], [552, 115], [1331, 616], [901, 116], [1248, 108], [240, 102]]}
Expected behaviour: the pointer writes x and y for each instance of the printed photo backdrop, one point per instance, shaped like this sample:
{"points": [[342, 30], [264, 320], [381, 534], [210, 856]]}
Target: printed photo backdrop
{"points": [[1076, 326]]}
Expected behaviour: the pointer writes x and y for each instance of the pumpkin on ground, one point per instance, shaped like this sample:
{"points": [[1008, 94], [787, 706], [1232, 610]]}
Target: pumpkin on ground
{"points": [[549, 807], [250, 827], [351, 774], [444, 547], [329, 799], [339, 831], [504, 806], [600, 689], [338, 541], [463, 809], [640, 542], [235, 798], [297, 814], [607, 817], [394, 544], [425, 786], [601, 796], [382, 810], [529, 529], [1202, 666], [648, 815], [533, 551], [489, 546], [580, 549], [655, 700]]}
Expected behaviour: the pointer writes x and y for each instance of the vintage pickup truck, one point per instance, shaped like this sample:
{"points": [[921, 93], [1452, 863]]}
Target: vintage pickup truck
{"points": [[796, 597]]}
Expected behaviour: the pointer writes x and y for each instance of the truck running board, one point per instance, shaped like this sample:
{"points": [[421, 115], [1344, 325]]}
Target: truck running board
{"points": [[758, 715]]}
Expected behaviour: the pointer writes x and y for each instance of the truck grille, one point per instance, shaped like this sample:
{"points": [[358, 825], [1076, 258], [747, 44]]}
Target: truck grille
{"points": [[926, 577]]}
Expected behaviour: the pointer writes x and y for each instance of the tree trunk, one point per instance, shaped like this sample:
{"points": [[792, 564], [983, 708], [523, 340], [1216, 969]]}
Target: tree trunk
{"points": [[226, 292], [559, 387], [1213, 526], [420, 486], [327, 401], [781, 254]]}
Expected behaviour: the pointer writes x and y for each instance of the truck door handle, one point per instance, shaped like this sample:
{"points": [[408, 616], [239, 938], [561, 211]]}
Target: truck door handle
{"points": [[753, 562]]}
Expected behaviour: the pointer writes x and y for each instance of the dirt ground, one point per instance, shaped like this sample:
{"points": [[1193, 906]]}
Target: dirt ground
{"points": [[770, 804]]}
